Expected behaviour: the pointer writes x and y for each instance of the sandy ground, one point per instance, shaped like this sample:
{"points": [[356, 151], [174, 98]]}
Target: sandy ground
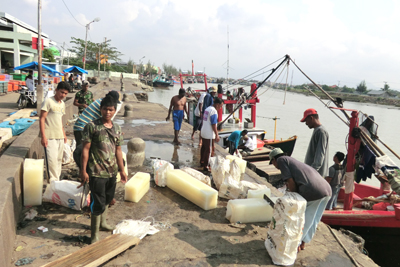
{"points": [[189, 236]]}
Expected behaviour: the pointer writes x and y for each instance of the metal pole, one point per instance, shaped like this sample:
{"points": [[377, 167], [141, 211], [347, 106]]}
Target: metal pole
{"points": [[39, 87], [84, 53], [62, 55], [105, 41], [99, 60]]}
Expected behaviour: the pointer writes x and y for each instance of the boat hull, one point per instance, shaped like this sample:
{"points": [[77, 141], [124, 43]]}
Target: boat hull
{"points": [[286, 145], [162, 84]]}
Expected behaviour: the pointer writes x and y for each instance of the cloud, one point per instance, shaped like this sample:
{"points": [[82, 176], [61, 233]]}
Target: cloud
{"points": [[330, 40]]}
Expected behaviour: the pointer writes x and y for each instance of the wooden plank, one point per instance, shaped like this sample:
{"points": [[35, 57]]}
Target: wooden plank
{"points": [[97, 253]]}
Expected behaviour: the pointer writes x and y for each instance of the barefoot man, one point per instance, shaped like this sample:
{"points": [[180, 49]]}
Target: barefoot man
{"points": [[178, 102]]}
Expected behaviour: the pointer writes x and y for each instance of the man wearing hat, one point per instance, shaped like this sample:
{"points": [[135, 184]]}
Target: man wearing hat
{"points": [[209, 98], [305, 180], [91, 113], [83, 98], [318, 148]]}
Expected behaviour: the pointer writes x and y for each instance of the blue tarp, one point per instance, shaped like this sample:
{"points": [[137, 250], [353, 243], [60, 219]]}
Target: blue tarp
{"points": [[19, 127], [76, 69], [34, 66]]}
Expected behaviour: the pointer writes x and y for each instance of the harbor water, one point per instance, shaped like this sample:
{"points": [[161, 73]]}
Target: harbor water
{"points": [[290, 110]]}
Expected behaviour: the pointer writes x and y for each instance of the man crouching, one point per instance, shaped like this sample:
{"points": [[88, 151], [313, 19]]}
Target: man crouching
{"points": [[101, 160]]}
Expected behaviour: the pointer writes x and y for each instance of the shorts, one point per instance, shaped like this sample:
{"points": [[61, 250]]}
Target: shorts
{"points": [[177, 116], [102, 192]]}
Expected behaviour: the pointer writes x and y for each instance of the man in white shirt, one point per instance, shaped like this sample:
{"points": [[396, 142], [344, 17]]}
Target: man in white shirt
{"points": [[209, 132], [249, 144], [29, 81], [198, 114]]}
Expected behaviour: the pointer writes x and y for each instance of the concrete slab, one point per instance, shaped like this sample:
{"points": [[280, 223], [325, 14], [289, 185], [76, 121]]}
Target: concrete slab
{"points": [[189, 236]]}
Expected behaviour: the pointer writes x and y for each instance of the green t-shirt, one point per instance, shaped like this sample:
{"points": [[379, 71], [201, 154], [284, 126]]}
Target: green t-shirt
{"points": [[84, 98], [104, 141]]}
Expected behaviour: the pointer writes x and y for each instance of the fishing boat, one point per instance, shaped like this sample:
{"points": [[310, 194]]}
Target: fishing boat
{"points": [[161, 81], [229, 126]]}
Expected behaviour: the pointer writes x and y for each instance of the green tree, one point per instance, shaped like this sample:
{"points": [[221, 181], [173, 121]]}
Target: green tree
{"points": [[346, 89], [47, 53], [362, 87], [92, 50], [385, 87]]}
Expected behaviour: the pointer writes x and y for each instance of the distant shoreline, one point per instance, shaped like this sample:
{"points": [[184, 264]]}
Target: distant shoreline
{"points": [[351, 97]]}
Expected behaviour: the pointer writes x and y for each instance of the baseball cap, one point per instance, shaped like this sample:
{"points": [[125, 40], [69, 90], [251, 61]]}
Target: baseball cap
{"points": [[213, 89], [275, 152], [114, 94], [307, 113]]}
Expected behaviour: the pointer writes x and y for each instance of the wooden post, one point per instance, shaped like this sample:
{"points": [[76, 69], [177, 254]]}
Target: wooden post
{"points": [[253, 92], [353, 147], [220, 110]]}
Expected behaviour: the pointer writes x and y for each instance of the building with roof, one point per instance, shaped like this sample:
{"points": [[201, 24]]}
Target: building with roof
{"points": [[16, 42], [378, 93]]}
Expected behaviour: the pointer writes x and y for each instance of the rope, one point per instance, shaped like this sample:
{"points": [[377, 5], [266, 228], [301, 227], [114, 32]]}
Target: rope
{"points": [[249, 78], [326, 105], [343, 246], [273, 82], [287, 76]]}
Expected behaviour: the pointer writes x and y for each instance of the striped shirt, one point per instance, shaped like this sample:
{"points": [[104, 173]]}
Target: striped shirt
{"points": [[91, 113]]}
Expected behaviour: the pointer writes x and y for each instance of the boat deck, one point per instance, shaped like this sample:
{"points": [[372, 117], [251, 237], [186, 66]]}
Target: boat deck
{"points": [[264, 169]]}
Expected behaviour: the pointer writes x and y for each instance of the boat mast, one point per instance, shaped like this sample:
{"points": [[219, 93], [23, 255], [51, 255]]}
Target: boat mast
{"points": [[227, 67]]}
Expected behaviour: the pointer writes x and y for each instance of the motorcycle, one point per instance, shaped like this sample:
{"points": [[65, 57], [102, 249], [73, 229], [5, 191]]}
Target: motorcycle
{"points": [[26, 98]]}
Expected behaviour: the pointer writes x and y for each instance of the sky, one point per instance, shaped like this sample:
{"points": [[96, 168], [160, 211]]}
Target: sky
{"points": [[337, 42]]}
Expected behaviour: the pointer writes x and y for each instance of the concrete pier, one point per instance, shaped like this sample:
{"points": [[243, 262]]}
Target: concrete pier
{"points": [[189, 236]]}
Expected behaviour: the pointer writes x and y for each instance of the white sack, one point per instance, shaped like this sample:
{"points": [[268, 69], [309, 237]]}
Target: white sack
{"points": [[135, 228], [160, 168], [66, 193], [285, 230], [219, 166], [198, 175]]}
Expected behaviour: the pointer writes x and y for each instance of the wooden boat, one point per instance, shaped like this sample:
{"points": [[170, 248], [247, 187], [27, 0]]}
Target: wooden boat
{"points": [[286, 145], [162, 82]]}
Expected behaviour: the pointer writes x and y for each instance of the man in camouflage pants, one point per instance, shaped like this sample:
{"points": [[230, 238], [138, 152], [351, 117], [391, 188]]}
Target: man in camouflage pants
{"points": [[101, 160]]}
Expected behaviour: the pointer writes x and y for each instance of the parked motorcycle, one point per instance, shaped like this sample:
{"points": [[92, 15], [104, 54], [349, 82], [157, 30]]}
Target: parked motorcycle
{"points": [[26, 98]]}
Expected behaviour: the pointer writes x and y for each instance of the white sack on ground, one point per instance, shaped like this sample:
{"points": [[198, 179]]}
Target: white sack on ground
{"points": [[135, 228], [160, 168], [198, 175], [65, 193], [285, 230], [219, 166]]}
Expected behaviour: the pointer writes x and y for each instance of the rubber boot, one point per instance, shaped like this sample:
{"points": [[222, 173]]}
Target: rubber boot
{"points": [[103, 224], [94, 227]]}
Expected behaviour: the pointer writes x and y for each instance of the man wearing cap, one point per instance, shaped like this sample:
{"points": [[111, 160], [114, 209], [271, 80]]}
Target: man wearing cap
{"points": [[83, 98], [305, 180], [199, 114], [91, 113], [209, 98], [178, 103], [209, 132], [318, 148]]}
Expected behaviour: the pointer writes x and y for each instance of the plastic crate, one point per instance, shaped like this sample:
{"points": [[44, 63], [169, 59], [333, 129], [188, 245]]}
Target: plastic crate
{"points": [[19, 76], [3, 87], [2, 77], [10, 87]]}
